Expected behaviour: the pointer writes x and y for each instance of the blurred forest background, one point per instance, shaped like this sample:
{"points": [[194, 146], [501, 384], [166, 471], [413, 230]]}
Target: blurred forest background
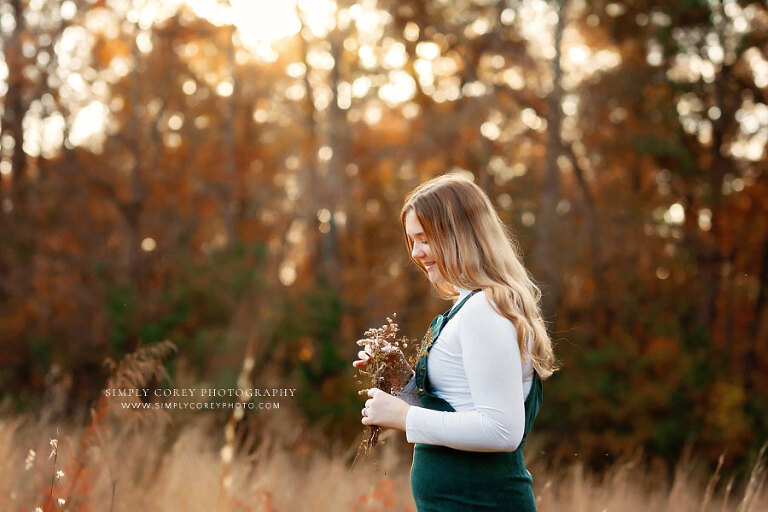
{"points": [[224, 173]]}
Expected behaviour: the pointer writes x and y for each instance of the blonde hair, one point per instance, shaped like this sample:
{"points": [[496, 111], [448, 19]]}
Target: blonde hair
{"points": [[474, 250]]}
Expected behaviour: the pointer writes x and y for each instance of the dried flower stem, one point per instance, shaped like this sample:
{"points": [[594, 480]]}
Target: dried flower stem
{"points": [[55, 456], [387, 368]]}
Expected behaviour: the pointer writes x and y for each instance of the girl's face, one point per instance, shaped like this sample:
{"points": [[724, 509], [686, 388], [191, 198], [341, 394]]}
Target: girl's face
{"points": [[421, 251]]}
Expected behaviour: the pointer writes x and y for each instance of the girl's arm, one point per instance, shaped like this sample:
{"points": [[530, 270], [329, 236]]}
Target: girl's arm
{"points": [[493, 368]]}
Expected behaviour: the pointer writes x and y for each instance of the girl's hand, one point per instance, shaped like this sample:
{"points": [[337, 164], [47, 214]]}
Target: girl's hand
{"points": [[400, 371], [384, 410], [365, 355]]}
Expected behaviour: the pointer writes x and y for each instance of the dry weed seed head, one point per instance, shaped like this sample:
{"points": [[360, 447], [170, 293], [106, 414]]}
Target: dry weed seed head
{"points": [[137, 370]]}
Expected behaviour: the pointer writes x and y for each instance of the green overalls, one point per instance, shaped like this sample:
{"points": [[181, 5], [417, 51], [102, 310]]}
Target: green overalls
{"points": [[445, 480]]}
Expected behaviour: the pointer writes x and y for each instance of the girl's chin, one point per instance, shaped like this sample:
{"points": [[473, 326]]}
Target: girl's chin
{"points": [[436, 279]]}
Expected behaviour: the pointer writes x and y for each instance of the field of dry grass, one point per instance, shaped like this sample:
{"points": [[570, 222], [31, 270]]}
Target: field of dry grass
{"points": [[175, 464]]}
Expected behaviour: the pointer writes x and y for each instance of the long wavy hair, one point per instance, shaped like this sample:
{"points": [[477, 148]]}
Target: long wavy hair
{"points": [[474, 250]]}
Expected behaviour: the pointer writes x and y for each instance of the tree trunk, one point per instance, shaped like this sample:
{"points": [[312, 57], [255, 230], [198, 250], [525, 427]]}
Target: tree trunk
{"points": [[335, 184], [307, 207], [601, 315], [547, 247], [131, 210], [14, 108], [229, 204]]}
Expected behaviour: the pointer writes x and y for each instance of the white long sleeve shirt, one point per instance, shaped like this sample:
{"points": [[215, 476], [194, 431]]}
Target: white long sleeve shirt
{"points": [[475, 365]]}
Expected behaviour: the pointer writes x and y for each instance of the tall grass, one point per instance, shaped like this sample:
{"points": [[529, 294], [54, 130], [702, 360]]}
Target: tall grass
{"points": [[174, 464], [140, 461]]}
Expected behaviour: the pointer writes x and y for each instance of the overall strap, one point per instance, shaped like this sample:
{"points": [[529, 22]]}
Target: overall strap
{"points": [[533, 403], [426, 398], [441, 320], [455, 309]]}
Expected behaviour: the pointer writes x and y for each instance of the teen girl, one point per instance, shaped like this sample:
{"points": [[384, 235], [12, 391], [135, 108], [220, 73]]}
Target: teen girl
{"points": [[476, 388]]}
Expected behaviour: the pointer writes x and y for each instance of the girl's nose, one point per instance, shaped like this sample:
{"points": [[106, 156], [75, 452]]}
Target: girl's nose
{"points": [[417, 251]]}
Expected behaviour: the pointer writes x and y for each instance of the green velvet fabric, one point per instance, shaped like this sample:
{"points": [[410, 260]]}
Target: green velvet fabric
{"points": [[446, 480]]}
